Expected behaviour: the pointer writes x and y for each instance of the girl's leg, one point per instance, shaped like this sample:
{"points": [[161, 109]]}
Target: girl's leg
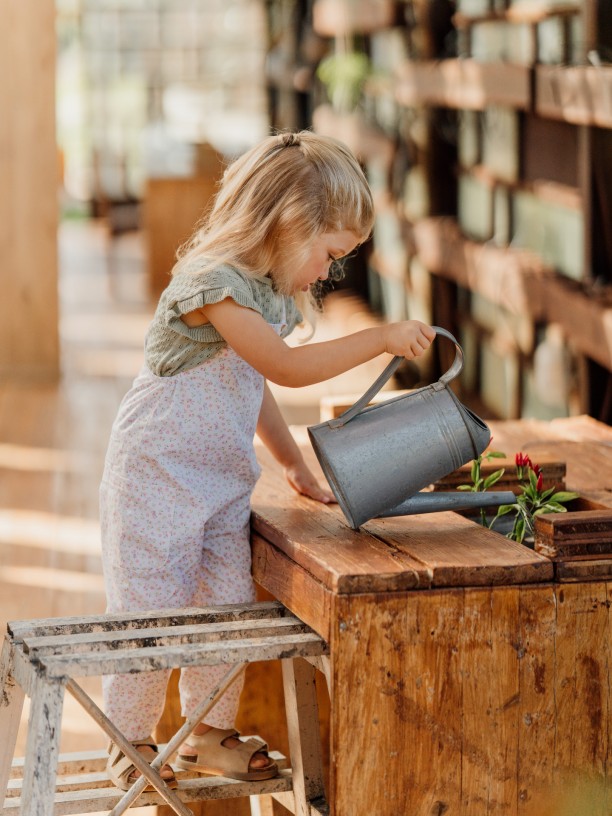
{"points": [[143, 569], [225, 578]]}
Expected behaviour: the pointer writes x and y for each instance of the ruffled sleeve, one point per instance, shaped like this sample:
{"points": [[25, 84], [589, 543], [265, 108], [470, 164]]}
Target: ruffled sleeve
{"points": [[189, 291]]}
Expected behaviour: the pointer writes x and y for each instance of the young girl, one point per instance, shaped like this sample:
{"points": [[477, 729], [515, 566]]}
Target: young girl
{"points": [[181, 467]]}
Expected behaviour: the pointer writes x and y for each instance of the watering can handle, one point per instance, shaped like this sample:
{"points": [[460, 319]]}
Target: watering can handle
{"points": [[454, 370]]}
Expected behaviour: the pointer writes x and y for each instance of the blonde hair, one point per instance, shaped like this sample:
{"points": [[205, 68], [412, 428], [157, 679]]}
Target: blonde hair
{"points": [[274, 199]]}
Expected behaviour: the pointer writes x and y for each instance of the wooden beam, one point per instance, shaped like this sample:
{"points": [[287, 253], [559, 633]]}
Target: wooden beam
{"points": [[463, 83], [579, 94], [29, 344]]}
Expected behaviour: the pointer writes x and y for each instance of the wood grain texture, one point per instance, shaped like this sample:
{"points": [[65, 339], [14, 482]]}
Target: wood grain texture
{"points": [[276, 573], [28, 192], [441, 549], [342, 559], [473, 702], [574, 533]]}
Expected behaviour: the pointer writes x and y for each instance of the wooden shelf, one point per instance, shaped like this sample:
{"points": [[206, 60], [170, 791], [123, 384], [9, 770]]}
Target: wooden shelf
{"points": [[463, 83], [586, 319], [337, 18], [514, 279], [526, 12], [580, 94], [562, 195]]}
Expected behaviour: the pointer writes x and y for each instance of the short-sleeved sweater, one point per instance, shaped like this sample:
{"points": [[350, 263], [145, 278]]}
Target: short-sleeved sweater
{"points": [[172, 346]]}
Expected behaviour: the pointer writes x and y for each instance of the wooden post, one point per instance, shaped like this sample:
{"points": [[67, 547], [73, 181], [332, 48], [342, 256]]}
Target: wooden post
{"points": [[303, 726], [11, 705], [43, 747], [29, 345]]}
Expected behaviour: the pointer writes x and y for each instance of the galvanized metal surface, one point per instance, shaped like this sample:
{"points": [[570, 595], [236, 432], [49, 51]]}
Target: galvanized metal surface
{"points": [[376, 457]]}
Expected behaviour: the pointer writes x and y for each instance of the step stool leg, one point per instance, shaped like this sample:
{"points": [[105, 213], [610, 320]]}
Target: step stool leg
{"points": [[11, 705], [304, 738], [42, 749]]}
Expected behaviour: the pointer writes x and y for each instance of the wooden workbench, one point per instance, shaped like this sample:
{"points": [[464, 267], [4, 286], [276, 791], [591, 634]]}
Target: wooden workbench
{"points": [[465, 679]]}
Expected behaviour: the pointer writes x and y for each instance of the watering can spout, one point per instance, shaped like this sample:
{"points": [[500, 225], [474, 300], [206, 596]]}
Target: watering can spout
{"points": [[436, 502]]}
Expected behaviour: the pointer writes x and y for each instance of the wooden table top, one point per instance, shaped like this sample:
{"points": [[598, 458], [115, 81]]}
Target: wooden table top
{"points": [[434, 550]]}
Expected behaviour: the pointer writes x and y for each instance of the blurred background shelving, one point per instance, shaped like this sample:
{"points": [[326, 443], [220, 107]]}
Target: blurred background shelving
{"points": [[485, 128]]}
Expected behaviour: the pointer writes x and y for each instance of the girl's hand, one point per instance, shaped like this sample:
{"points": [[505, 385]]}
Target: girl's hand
{"points": [[408, 339], [303, 481]]}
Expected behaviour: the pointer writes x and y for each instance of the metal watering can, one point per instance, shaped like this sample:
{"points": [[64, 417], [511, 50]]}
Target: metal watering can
{"points": [[377, 458]]}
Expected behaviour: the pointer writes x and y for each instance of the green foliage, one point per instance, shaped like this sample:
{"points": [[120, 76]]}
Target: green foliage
{"points": [[344, 76], [532, 500]]}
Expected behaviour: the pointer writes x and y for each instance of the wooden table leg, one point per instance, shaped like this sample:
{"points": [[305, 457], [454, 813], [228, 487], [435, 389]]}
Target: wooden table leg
{"points": [[11, 705], [304, 739], [42, 747]]}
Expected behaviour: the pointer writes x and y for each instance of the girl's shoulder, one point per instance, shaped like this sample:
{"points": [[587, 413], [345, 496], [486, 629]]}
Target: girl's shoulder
{"points": [[198, 276]]}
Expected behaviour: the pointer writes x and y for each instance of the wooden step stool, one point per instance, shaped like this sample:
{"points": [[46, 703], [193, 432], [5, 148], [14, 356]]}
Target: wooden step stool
{"points": [[41, 658]]}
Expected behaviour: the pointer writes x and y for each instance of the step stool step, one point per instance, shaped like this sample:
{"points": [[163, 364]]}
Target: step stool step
{"points": [[139, 620], [82, 785], [189, 790]]}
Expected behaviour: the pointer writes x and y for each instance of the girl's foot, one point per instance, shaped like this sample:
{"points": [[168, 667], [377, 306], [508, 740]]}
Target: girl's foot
{"points": [[219, 751], [123, 773]]}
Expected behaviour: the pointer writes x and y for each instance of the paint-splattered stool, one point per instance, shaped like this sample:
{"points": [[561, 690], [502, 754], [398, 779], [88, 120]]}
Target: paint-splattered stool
{"points": [[42, 658]]}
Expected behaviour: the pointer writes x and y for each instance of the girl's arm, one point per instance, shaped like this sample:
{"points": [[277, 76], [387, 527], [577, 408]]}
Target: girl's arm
{"points": [[274, 433], [256, 342]]}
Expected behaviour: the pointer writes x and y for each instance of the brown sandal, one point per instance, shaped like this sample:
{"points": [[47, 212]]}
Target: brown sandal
{"points": [[120, 768], [220, 760]]}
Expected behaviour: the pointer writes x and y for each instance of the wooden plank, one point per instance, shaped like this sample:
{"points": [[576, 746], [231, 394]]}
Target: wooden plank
{"points": [[163, 636], [189, 790], [137, 620], [574, 533], [583, 568], [463, 83], [28, 192], [524, 12], [397, 692], [343, 560], [71, 775], [537, 731], [578, 94], [515, 279], [188, 654], [582, 684], [489, 665], [44, 728], [341, 18], [287, 581], [584, 317], [304, 740], [553, 474], [457, 551], [12, 698]]}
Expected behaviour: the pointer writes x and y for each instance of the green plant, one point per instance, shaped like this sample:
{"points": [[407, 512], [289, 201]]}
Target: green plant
{"points": [[479, 483], [344, 75], [531, 501]]}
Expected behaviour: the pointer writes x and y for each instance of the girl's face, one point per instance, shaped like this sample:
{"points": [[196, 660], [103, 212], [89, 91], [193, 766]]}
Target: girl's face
{"points": [[315, 262]]}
